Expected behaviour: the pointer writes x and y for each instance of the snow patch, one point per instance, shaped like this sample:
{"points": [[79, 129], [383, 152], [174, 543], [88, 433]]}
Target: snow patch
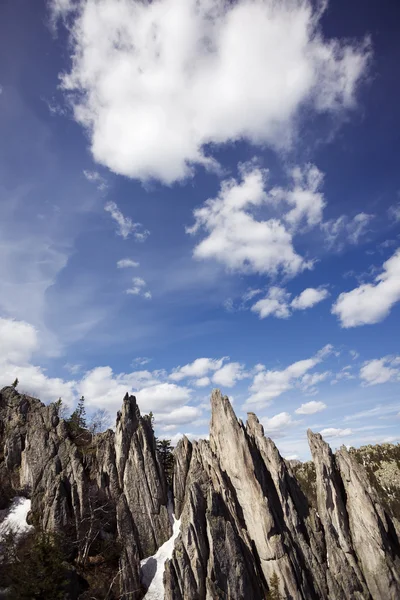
{"points": [[13, 519], [153, 566]]}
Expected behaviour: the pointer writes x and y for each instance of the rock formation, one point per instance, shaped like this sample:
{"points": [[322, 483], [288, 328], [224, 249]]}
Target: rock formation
{"points": [[245, 516], [110, 489]]}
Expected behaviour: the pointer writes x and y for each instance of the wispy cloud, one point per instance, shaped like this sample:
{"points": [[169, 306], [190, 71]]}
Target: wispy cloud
{"points": [[126, 263], [126, 226], [139, 288], [97, 179]]}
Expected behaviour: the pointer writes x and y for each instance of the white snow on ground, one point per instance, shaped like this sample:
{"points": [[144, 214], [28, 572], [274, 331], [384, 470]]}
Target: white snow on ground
{"points": [[13, 518], [153, 566]]}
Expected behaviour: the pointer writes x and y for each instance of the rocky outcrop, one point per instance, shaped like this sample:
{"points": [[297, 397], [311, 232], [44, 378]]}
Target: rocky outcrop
{"points": [[373, 535], [246, 518], [94, 489]]}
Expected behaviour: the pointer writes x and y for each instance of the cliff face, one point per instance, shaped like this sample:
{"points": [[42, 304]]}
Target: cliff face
{"points": [[108, 488], [244, 516]]}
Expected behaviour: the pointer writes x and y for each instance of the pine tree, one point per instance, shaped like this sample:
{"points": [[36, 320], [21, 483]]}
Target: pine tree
{"points": [[164, 450], [38, 571], [151, 419], [61, 408], [77, 421], [274, 593], [16, 382]]}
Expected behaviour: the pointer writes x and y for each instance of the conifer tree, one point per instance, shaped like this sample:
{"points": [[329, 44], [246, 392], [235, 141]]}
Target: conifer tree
{"points": [[77, 420], [16, 382], [274, 593], [38, 571], [164, 449]]}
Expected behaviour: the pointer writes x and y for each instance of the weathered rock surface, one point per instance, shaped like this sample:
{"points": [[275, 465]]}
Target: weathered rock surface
{"points": [[245, 515], [110, 487]]}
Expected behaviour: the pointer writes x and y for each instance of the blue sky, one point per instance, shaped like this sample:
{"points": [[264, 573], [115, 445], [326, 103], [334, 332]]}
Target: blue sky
{"points": [[197, 198]]}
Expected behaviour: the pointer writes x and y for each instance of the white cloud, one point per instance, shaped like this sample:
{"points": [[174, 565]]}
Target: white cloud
{"points": [[268, 384], [153, 83], [310, 408], [394, 212], [277, 424], [141, 360], [125, 263], [333, 432], [97, 179], [236, 239], [309, 297], [343, 230], [229, 374], [305, 200], [198, 368], [178, 416], [344, 374], [371, 302], [277, 302], [310, 380], [377, 411], [162, 396], [139, 288], [202, 382], [380, 370], [73, 368], [126, 226], [104, 389], [354, 354], [292, 457], [18, 340]]}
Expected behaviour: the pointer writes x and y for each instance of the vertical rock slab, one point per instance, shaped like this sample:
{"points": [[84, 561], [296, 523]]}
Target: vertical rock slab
{"points": [[141, 478], [182, 458], [344, 576], [213, 556], [371, 531], [297, 520], [229, 442]]}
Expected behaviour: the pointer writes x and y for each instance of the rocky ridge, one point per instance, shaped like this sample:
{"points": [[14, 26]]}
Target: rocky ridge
{"points": [[245, 513]]}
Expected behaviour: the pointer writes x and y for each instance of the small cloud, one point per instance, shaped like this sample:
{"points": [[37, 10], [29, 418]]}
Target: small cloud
{"points": [[274, 304], [139, 288], [277, 424], [141, 360], [277, 302], [394, 212], [199, 368], [73, 369], [126, 226], [202, 382], [380, 370], [310, 408], [370, 302], [125, 263], [342, 231], [97, 179], [333, 432], [309, 298]]}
